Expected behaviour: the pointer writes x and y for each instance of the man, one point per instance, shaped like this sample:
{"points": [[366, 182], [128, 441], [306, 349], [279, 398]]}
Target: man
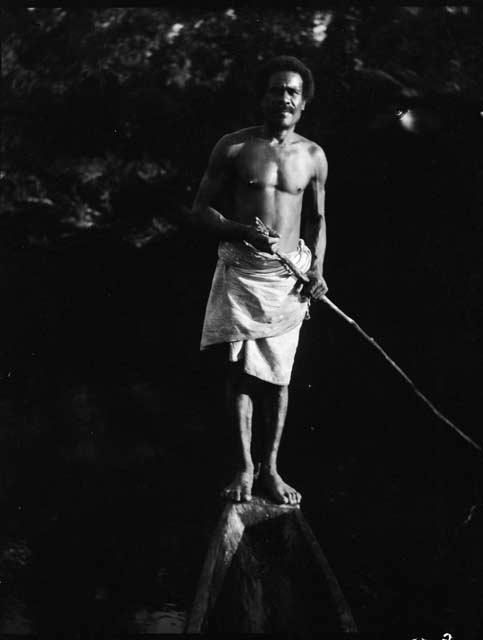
{"points": [[251, 197]]}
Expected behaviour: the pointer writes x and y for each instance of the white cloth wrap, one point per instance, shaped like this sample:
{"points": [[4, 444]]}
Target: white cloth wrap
{"points": [[255, 305]]}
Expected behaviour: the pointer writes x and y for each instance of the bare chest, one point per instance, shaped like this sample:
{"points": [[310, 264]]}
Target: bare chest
{"points": [[261, 167]]}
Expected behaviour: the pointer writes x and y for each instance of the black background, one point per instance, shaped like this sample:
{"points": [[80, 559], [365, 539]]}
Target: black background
{"points": [[114, 438]]}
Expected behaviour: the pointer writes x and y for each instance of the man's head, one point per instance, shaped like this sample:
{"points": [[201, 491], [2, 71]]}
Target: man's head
{"points": [[285, 63], [284, 85]]}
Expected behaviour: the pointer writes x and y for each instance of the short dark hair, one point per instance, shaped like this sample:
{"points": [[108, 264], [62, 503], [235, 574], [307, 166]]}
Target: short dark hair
{"points": [[285, 63]]}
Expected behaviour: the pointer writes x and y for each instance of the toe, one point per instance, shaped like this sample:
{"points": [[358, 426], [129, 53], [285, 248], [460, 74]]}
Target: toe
{"points": [[279, 497]]}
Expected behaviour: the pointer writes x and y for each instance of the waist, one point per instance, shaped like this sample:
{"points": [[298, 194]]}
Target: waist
{"points": [[244, 255]]}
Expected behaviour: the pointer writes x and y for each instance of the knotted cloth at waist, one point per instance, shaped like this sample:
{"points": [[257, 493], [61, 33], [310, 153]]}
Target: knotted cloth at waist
{"points": [[253, 295]]}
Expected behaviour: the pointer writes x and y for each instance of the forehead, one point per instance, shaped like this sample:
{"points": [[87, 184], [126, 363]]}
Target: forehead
{"points": [[285, 79]]}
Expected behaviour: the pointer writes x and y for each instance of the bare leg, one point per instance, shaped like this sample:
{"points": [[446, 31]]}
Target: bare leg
{"points": [[240, 407], [275, 412]]}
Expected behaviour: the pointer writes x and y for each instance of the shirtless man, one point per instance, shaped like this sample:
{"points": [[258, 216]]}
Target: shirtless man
{"points": [[262, 172]]}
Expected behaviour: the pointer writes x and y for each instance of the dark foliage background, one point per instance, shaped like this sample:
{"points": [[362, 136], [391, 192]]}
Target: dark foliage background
{"points": [[108, 117]]}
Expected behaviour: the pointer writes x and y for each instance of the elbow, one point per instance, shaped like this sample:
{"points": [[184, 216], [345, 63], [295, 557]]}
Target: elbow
{"points": [[196, 209], [320, 217], [317, 220], [320, 221], [198, 214], [202, 220]]}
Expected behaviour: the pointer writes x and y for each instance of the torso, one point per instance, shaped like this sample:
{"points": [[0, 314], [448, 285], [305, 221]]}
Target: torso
{"points": [[268, 182]]}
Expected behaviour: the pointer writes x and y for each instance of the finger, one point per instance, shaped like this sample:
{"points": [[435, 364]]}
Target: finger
{"points": [[319, 289], [261, 226], [272, 240], [266, 229], [307, 288], [318, 293]]}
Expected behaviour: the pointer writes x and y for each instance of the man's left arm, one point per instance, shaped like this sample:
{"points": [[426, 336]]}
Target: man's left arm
{"points": [[314, 231]]}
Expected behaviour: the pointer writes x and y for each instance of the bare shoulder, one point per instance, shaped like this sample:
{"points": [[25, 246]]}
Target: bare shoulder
{"points": [[225, 151], [239, 137], [225, 147], [316, 151], [318, 157]]}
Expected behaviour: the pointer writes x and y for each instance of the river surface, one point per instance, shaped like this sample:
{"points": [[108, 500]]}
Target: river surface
{"points": [[109, 499]]}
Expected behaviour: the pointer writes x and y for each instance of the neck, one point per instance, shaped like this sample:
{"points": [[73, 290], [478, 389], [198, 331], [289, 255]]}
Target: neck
{"points": [[277, 136]]}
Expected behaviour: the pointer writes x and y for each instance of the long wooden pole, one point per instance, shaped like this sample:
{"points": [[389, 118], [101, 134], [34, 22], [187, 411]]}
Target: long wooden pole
{"points": [[301, 276]]}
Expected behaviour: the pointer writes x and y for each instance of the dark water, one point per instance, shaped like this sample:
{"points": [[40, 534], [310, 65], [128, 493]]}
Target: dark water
{"points": [[114, 441], [110, 471], [95, 538], [102, 519]]}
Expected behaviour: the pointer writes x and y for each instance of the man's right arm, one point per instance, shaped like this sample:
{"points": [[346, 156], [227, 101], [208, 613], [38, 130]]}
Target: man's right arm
{"points": [[214, 181], [217, 177]]}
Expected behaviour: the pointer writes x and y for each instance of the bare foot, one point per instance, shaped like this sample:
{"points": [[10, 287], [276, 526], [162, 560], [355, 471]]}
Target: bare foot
{"points": [[240, 490], [279, 490]]}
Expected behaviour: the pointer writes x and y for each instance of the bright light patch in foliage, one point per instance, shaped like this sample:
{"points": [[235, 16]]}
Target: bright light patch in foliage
{"points": [[454, 10], [174, 32], [322, 19]]}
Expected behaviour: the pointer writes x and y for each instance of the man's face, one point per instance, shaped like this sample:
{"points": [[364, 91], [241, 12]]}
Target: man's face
{"points": [[283, 101]]}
